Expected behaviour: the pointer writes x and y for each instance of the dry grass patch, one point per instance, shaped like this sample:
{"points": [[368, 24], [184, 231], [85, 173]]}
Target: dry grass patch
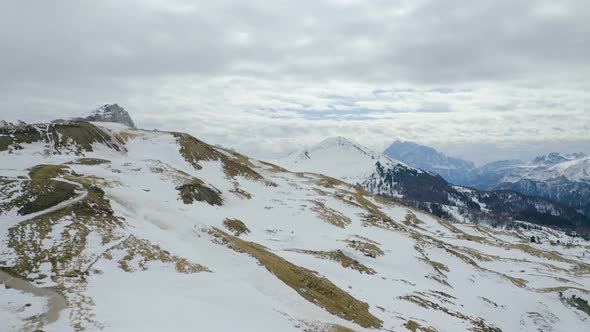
{"points": [[329, 215], [340, 257], [124, 136], [478, 324], [11, 139], [563, 288], [236, 226], [315, 289], [336, 328], [329, 182], [373, 216], [91, 214], [82, 134], [42, 191], [195, 151], [240, 192], [89, 161], [141, 252], [196, 190], [415, 327], [274, 168], [412, 220], [369, 249]]}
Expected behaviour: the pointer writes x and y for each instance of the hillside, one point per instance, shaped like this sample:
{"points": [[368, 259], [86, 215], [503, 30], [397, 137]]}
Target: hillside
{"points": [[112, 228]]}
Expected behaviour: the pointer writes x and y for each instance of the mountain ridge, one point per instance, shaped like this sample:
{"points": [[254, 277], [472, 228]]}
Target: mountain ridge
{"points": [[429, 159], [564, 178], [381, 175]]}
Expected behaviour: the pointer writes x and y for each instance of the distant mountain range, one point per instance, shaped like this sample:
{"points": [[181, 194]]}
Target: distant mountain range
{"points": [[388, 177], [564, 178], [426, 158]]}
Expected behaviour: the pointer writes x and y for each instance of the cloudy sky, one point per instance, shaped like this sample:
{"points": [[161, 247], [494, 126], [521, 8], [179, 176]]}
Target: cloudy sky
{"points": [[480, 79]]}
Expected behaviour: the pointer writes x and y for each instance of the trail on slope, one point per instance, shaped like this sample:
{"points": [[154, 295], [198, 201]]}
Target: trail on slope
{"points": [[18, 219], [55, 301]]}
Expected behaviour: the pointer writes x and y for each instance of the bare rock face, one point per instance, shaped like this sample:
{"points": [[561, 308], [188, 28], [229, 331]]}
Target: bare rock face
{"points": [[111, 113]]}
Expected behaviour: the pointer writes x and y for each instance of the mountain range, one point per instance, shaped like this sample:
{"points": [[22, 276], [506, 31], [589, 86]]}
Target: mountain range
{"points": [[563, 178], [107, 227], [387, 177], [426, 158]]}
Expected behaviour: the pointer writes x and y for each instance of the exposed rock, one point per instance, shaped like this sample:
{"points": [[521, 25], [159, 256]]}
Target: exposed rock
{"points": [[110, 113]]}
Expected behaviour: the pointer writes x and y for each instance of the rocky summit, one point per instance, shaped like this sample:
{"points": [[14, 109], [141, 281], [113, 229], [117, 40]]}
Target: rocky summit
{"points": [[110, 113]]}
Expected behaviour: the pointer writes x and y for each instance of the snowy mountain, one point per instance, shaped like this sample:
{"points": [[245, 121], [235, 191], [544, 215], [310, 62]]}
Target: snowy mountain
{"points": [[381, 175], [104, 227], [110, 113], [571, 167], [490, 174], [454, 170], [345, 160], [564, 178]]}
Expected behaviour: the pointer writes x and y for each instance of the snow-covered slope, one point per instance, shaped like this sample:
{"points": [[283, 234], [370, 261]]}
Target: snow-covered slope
{"points": [[105, 227]]}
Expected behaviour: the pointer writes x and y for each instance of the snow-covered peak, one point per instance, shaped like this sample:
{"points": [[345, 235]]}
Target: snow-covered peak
{"points": [[110, 113], [576, 155], [338, 157], [343, 144], [550, 159], [556, 157], [575, 170], [572, 167]]}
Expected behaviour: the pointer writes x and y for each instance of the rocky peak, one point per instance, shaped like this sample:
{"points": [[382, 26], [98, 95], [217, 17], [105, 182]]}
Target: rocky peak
{"points": [[111, 113], [550, 159], [576, 155]]}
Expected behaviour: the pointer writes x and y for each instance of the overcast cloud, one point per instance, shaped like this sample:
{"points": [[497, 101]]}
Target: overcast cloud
{"points": [[480, 79]]}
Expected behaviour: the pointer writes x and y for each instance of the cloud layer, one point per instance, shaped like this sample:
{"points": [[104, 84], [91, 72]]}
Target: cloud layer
{"points": [[266, 77]]}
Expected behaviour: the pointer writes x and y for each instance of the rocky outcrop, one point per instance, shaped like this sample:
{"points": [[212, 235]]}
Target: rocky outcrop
{"points": [[110, 113]]}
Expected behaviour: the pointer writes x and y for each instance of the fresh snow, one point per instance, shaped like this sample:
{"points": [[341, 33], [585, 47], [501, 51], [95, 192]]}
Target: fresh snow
{"points": [[340, 158]]}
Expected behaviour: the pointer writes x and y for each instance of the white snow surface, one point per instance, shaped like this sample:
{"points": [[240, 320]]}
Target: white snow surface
{"points": [[338, 157], [573, 167], [463, 273]]}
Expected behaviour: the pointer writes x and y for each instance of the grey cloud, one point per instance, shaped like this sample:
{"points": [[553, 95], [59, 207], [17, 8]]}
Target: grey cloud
{"points": [[244, 74], [433, 41]]}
